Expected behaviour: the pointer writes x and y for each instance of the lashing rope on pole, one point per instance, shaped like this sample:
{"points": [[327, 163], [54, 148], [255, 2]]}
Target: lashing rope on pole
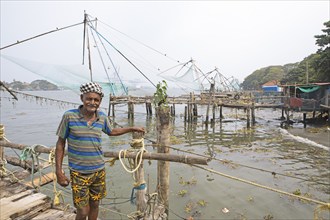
{"points": [[137, 145], [5, 172], [30, 152]]}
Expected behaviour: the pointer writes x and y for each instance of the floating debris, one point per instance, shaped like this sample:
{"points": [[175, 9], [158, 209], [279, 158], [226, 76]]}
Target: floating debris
{"points": [[225, 210]]}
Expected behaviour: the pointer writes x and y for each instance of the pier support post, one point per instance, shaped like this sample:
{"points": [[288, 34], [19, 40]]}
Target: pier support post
{"points": [[248, 110], [2, 135], [253, 116], [287, 112], [304, 119], [221, 115], [282, 116], [207, 114], [109, 109], [213, 114], [185, 113], [173, 110], [130, 110], [113, 109], [149, 108]]}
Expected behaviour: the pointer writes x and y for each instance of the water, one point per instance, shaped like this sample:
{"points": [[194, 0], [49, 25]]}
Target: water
{"points": [[194, 192]]}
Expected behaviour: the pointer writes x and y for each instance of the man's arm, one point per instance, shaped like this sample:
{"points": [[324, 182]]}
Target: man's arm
{"points": [[120, 131], [59, 155]]}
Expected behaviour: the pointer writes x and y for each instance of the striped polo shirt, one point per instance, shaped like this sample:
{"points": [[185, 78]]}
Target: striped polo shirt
{"points": [[84, 141]]}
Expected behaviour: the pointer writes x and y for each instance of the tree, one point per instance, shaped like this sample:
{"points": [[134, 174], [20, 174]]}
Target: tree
{"points": [[322, 64]]}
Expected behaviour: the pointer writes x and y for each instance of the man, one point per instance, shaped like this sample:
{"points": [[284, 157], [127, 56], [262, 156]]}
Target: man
{"points": [[82, 128]]}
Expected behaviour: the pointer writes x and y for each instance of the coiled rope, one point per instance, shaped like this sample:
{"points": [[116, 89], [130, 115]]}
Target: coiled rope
{"points": [[137, 145]]}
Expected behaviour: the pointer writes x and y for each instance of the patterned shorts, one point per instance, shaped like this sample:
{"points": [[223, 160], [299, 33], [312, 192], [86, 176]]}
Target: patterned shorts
{"points": [[87, 187]]}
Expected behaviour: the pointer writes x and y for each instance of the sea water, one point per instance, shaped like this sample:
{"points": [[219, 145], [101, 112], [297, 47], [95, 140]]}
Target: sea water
{"points": [[265, 154]]}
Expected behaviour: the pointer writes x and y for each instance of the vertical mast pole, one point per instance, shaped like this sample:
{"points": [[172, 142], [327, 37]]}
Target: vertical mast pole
{"points": [[84, 36]]}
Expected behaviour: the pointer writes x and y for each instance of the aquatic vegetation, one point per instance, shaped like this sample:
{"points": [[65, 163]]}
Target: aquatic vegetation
{"points": [[189, 207], [250, 199], [229, 163], [297, 192], [202, 203], [174, 140], [315, 130], [193, 181], [182, 192], [268, 217]]}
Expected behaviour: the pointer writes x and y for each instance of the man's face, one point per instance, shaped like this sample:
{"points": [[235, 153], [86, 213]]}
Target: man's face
{"points": [[91, 101]]}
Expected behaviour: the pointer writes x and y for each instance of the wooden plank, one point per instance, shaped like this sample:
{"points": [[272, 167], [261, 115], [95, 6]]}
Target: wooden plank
{"points": [[33, 211], [46, 178], [8, 189], [20, 204], [50, 214], [69, 216], [7, 200]]}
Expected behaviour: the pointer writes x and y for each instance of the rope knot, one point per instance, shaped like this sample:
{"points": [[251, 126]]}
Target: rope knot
{"points": [[137, 143]]}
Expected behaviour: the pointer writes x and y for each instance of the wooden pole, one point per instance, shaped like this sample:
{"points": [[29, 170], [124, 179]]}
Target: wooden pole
{"points": [[185, 113], [2, 135], [130, 110], [141, 201], [207, 114], [213, 114], [146, 155], [248, 110], [195, 110], [221, 115], [287, 112], [163, 167], [109, 110], [253, 117], [113, 109]]}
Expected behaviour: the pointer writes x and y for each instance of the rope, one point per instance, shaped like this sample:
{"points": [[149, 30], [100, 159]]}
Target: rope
{"points": [[323, 204], [5, 172], [140, 187], [123, 56], [30, 152], [246, 166], [137, 145], [57, 194]]}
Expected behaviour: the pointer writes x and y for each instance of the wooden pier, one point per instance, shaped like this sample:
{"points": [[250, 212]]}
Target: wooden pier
{"points": [[19, 201]]}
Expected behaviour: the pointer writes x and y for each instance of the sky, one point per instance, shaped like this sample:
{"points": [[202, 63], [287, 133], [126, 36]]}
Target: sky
{"points": [[237, 37]]}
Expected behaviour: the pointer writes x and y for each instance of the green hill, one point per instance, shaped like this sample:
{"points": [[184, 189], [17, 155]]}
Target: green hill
{"points": [[312, 69]]}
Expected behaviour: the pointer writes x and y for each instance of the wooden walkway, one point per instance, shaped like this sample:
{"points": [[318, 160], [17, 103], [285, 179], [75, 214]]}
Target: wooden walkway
{"points": [[21, 202]]}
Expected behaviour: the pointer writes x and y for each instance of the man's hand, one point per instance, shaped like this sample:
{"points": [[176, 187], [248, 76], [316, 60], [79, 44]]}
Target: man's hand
{"points": [[139, 129], [62, 179]]}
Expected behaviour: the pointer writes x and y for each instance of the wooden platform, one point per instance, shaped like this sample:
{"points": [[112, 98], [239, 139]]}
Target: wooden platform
{"points": [[21, 202]]}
